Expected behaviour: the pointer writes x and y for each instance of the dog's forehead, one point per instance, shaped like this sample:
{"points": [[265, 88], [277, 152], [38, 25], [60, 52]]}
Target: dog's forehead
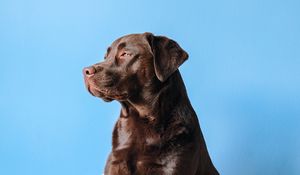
{"points": [[132, 39]]}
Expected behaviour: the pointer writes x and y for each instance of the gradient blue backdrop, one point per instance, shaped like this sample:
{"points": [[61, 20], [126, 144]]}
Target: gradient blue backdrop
{"points": [[243, 78]]}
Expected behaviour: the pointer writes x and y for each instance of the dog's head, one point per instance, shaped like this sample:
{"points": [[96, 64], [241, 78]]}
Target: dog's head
{"points": [[132, 63]]}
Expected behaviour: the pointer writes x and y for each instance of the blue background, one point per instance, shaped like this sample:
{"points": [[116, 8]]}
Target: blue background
{"points": [[242, 76]]}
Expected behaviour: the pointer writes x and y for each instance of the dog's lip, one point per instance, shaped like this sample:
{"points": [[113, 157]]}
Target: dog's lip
{"points": [[107, 94], [104, 92], [117, 96], [92, 81]]}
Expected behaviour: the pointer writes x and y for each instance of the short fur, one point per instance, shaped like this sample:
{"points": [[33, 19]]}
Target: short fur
{"points": [[157, 132]]}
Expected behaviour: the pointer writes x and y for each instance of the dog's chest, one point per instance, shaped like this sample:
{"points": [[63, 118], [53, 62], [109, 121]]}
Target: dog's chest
{"points": [[123, 134], [140, 147]]}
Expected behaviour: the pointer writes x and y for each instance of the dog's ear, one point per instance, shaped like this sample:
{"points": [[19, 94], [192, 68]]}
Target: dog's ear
{"points": [[168, 55]]}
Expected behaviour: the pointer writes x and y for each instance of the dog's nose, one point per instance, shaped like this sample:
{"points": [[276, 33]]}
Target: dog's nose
{"points": [[89, 71]]}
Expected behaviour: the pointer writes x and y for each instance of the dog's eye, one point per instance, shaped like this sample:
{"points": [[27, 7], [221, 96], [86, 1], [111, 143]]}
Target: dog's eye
{"points": [[125, 55]]}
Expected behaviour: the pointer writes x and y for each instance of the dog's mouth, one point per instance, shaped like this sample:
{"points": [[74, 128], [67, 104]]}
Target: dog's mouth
{"points": [[106, 94], [109, 95]]}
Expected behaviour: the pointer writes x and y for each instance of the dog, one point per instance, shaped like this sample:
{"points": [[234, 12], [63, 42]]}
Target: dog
{"points": [[157, 132]]}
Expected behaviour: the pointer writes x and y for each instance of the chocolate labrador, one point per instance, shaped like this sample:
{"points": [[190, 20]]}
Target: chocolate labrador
{"points": [[157, 132]]}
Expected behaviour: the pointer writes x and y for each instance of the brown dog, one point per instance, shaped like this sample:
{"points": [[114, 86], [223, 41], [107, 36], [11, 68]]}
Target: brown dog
{"points": [[158, 132]]}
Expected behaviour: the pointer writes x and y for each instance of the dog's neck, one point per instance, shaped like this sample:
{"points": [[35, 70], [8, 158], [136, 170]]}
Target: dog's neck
{"points": [[160, 105]]}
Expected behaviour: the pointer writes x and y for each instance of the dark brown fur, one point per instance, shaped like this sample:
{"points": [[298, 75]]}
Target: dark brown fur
{"points": [[157, 132]]}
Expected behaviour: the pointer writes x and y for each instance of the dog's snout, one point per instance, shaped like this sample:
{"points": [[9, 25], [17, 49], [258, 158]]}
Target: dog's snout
{"points": [[89, 71]]}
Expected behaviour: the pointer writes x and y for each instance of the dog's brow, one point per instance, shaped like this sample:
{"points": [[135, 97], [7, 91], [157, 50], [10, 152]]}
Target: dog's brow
{"points": [[121, 45]]}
